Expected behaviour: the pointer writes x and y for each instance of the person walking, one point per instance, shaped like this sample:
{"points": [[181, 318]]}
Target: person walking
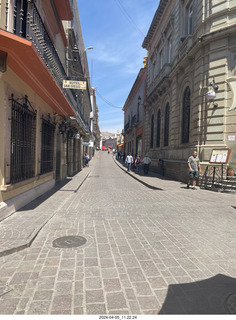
{"points": [[146, 164], [133, 167], [194, 169], [128, 161], [138, 164]]}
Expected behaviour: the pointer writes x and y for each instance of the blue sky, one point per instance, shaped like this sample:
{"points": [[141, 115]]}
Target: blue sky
{"points": [[117, 36]]}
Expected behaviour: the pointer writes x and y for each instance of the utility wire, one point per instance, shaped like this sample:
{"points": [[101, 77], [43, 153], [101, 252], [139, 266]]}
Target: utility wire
{"points": [[105, 100], [124, 11]]}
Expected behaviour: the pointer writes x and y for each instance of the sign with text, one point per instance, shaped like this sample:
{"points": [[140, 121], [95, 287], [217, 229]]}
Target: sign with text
{"points": [[71, 84], [220, 156]]}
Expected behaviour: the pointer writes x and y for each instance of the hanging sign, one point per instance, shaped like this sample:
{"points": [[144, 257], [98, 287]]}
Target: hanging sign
{"points": [[71, 84]]}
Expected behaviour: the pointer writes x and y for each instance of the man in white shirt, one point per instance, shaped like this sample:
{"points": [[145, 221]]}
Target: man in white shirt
{"points": [[146, 164], [128, 161]]}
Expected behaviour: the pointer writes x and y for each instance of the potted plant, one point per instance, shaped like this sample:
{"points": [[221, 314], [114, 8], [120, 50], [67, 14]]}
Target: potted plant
{"points": [[230, 170]]}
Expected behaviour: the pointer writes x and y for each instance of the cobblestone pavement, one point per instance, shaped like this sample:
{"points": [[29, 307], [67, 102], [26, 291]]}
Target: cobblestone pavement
{"points": [[169, 251]]}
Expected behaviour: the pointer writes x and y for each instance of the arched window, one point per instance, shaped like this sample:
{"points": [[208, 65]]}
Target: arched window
{"points": [[167, 122], [186, 116], [152, 131], [158, 143]]}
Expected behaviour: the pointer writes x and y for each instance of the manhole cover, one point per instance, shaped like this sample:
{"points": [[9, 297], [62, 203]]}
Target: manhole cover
{"points": [[231, 303], [69, 242]]}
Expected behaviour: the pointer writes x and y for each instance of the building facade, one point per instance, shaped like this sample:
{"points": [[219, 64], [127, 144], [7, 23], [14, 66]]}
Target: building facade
{"points": [[43, 123], [191, 68], [133, 116]]}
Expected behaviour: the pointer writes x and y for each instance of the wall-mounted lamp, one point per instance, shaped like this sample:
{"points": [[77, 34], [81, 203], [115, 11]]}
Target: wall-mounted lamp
{"points": [[139, 99], [213, 84], [88, 48], [211, 94], [62, 127]]}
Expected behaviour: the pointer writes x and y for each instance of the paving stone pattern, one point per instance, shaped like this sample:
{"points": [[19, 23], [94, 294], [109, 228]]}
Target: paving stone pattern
{"points": [[170, 251]]}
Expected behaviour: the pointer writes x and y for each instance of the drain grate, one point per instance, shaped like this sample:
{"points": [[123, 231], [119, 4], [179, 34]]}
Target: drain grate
{"points": [[69, 242], [231, 303]]}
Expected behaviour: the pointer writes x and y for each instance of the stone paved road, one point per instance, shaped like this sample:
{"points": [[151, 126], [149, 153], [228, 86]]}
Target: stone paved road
{"points": [[147, 251]]}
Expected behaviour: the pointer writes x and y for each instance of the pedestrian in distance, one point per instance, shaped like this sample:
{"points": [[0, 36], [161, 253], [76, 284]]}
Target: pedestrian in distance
{"points": [[194, 169], [124, 157], [133, 167], [146, 164], [138, 164], [86, 160], [128, 161]]}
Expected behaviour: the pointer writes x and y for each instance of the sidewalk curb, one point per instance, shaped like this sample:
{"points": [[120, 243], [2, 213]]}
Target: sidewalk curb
{"points": [[136, 178], [28, 242]]}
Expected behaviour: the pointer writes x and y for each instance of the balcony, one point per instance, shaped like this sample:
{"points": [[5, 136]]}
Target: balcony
{"points": [[163, 74], [187, 43], [127, 126], [133, 120], [25, 61]]}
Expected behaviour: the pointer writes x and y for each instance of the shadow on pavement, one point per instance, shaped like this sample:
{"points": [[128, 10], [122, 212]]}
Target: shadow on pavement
{"points": [[151, 174], [216, 295], [38, 201]]}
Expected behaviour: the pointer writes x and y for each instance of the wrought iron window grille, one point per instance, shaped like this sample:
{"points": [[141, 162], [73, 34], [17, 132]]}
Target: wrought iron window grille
{"points": [[23, 137], [51, 122], [47, 148], [26, 103]]}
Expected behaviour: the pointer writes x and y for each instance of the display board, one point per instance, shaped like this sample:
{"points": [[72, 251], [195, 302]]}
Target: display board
{"points": [[220, 156]]}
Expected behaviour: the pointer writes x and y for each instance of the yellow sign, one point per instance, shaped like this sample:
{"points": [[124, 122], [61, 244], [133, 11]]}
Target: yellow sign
{"points": [[71, 84]]}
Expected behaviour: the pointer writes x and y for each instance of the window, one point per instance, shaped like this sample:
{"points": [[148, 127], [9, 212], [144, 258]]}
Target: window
{"points": [[169, 49], [23, 133], [47, 149], [167, 122], [152, 131], [161, 59], [158, 142], [139, 100], [190, 19], [186, 116]]}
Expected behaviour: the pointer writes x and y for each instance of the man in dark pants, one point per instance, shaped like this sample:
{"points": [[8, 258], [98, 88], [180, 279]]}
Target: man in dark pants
{"points": [[194, 169], [146, 164]]}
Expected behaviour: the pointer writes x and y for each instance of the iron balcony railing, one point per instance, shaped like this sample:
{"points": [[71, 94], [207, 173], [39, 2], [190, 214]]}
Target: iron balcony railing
{"points": [[27, 23], [133, 121], [127, 126]]}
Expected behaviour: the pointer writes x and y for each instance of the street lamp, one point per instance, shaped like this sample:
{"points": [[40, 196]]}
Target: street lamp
{"points": [[88, 48]]}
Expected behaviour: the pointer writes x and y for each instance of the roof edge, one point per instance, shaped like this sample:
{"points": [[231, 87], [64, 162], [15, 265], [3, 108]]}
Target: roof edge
{"points": [[155, 21]]}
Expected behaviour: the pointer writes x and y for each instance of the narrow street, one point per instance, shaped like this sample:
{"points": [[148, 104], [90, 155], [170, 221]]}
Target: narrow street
{"points": [[169, 251]]}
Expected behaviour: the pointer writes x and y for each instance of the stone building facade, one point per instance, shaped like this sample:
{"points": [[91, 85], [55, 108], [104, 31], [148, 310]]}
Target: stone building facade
{"points": [[191, 48]]}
